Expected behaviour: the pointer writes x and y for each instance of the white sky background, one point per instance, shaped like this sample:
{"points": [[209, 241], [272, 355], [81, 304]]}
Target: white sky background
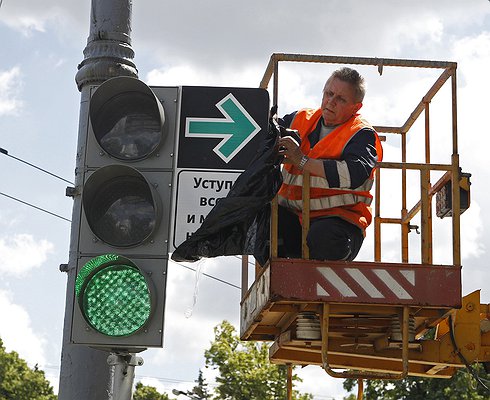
{"points": [[216, 43]]}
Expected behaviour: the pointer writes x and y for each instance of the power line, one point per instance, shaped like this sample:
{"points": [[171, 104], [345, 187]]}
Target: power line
{"points": [[138, 376], [172, 380], [33, 206], [4, 151], [61, 217], [158, 378], [210, 276], [249, 262], [177, 381]]}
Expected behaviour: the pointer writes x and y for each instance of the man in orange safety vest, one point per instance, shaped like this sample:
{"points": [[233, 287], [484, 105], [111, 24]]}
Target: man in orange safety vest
{"points": [[340, 151]]}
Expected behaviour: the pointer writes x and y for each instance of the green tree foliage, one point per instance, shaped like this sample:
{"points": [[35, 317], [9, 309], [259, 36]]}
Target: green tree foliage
{"points": [[245, 372], [200, 391], [144, 392], [19, 382], [462, 386]]}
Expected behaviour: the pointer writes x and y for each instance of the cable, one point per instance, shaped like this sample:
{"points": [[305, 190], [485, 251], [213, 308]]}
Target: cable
{"points": [[249, 262], [33, 206], [3, 151], [460, 355], [59, 216], [210, 276], [139, 377], [171, 380]]}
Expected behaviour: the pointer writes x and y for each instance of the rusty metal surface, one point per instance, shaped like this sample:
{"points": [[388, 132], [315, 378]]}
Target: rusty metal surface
{"points": [[366, 293], [379, 62], [365, 283], [255, 304]]}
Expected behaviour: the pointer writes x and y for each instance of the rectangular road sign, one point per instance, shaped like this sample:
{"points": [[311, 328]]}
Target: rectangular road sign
{"points": [[220, 129], [198, 191]]}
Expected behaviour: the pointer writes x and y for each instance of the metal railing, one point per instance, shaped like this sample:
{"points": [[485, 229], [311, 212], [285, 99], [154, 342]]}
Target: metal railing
{"points": [[427, 189]]}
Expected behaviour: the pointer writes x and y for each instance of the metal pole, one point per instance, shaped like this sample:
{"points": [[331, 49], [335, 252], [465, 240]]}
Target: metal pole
{"points": [[122, 375], [84, 371], [244, 275], [108, 52], [456, 198], [289, 381]]}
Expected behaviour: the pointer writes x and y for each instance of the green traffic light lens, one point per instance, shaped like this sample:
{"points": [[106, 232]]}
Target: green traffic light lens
{"points": [[116, 301], [114, 295]]}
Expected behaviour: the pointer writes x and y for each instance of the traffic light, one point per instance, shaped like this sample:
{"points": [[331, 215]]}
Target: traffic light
{"points": [[123, 237]]}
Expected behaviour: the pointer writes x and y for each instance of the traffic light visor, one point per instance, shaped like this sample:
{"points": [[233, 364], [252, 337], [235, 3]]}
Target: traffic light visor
{"points": [[127, 119], [114, 295], [122, 208]]}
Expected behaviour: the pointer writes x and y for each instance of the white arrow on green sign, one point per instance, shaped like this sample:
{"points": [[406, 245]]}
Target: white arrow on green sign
{"points": [[236, 129]]}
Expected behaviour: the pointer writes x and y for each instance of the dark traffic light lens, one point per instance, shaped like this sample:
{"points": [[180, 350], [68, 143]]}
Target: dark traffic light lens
{"points": [[114, 295], [120, 206], [127, 118], [123, 213], [129, 126]]}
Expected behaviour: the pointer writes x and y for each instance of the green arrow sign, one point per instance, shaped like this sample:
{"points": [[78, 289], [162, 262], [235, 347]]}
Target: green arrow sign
{"points": [[236, 129]]}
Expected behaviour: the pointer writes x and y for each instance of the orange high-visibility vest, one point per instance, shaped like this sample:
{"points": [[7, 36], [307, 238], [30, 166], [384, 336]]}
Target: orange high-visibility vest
{"points": [[352, 205]]}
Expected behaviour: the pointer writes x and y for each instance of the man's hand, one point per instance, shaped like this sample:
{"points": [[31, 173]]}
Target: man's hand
{"points": [[289, 148]]}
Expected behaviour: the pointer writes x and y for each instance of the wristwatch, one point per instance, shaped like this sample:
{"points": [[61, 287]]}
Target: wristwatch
{"points": [[303, 162]]}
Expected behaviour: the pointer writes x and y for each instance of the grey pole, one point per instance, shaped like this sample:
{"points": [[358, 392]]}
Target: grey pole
{"points": [[122, 375], [85, 373]]}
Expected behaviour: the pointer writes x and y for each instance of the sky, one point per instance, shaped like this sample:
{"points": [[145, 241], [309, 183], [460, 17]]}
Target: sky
{"points": [[219, 43]]}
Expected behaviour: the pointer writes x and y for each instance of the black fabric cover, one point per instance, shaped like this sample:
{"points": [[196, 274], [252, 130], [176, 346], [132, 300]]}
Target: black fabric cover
{"points": [[240, 223]]}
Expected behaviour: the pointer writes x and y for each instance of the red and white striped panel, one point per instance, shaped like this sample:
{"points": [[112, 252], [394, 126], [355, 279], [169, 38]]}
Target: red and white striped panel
{"points": [[374, 283], [364, 282]]}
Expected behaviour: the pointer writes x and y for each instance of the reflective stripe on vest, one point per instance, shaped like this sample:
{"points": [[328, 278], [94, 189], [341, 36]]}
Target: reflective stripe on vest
{"points": [[321, 197], [322, 183], [324, 203]]}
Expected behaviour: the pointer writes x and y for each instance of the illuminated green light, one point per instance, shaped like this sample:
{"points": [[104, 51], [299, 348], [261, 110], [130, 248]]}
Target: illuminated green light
{"points": [[113, 295], [92, 266]]}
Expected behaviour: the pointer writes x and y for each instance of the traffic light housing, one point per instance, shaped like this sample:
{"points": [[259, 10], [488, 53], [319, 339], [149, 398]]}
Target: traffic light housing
{"points": [[123, 237]]}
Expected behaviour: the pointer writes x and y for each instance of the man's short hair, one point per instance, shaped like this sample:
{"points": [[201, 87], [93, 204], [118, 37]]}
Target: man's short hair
{"points": [[353, 77]]}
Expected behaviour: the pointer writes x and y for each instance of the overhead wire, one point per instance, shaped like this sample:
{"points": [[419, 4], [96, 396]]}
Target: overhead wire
{"points": [[36, 207], [171, 380], [139, 377], [210, 276], [4, 151], [249, 262]]}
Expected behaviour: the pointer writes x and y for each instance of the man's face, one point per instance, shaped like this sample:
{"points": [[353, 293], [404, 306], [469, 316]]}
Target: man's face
{"points": [[338, 102]]}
